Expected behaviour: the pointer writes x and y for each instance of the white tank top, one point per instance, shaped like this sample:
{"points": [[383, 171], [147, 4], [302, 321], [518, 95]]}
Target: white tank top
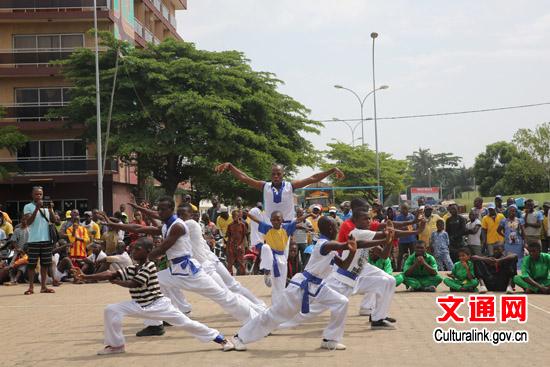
{"points": [[281, 200], [320, 265], [201, 250], [182, 247], [360, 259]]}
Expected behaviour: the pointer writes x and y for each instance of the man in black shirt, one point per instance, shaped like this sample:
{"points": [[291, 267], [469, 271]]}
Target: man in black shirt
{"points": [[456, 229]]}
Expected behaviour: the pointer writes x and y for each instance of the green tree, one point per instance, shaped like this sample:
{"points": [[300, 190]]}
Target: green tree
{"points": [[536, 143], [429, 168], [178, 111], [522, 175], [11, 139], [359, 166]]}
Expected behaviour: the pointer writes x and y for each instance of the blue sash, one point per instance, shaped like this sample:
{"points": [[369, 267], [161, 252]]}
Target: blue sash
{"points": [[169, 223], [346, 273], [184, 262], [276, 272], [304, 286], [277, 194]]}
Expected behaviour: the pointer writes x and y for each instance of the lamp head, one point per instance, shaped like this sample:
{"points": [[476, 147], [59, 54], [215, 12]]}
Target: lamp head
{"points": [[373, 35], [338, 86], [384, 87]]}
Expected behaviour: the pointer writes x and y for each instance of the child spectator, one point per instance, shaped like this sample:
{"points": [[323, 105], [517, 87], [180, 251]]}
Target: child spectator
{"points": [[147, 302], [439, 241], [78, 238], [462, 278], [535, 271], [236, 235], [420, 271], [18, 267]]}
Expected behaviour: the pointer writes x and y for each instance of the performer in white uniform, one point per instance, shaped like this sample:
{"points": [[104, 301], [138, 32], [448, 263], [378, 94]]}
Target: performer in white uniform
{"points": [[278, 194], [210, 262], [305, 288], [184, 272]]}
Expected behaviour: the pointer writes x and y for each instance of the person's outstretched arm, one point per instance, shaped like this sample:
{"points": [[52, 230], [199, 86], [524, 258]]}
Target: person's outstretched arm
{"points": [[105, 275], [135, 228], [351, 245], [148, 212], [240, 175], [296, 184]]}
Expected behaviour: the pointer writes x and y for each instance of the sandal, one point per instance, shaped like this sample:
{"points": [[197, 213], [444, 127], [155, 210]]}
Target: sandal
{"points": [[47, 290], [28, 292]]}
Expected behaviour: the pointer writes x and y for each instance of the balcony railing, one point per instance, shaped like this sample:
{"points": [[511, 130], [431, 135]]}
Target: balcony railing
{"points": [[59, 165], [55, 5], [157, 4], [32, 111], [34, 56], [173, 21]]}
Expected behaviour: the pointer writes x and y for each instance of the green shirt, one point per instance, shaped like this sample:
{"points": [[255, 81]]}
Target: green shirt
{"points": [[460, 273], [421, 270], [384, 264], [537, 270]]}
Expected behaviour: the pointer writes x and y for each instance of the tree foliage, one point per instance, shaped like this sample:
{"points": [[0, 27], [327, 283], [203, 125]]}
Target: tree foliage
{"points": [[178, 111], [502, 169], [11, 139], [359, 165], [536, 143], [431, 168]]}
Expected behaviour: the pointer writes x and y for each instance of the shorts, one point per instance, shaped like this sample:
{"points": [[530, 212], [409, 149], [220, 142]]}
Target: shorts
{"points": [[40, 250]]}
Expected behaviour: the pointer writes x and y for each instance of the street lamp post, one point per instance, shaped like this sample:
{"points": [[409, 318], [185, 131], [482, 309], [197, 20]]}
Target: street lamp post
{"points": [[99, 154], [351, 129], [373, 35], [362, 104]]}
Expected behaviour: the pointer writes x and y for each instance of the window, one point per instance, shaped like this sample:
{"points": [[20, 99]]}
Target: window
{"points": [[48, 41], [48, 149], [27, 96]]}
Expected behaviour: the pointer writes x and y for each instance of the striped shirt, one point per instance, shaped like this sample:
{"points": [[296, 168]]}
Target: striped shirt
{"points": [[146, 276]]}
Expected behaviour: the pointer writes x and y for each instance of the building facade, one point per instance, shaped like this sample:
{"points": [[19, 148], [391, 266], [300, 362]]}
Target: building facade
{"points": [[32, 34]]}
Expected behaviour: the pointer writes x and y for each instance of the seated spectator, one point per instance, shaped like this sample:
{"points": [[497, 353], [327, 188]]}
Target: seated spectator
{"points": [[420, 270], [20, 235], [93, 263], [535, 271], [121, 259], [462, 278], [18, 267], [61, 262], [495, 273]]}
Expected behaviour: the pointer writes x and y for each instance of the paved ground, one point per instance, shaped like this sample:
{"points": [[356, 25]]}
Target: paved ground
{"points": [[65, 329]]}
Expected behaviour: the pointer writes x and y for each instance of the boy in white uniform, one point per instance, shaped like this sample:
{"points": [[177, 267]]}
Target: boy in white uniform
{"points": [[305, 288], [183, 272], [147, 302]]}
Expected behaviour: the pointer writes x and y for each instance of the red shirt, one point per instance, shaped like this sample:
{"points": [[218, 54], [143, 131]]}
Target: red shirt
{"points": [[349, 226]]}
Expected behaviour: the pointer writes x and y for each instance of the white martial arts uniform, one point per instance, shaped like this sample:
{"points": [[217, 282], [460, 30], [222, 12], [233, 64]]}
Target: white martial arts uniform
{"points": [[148, 303], [279, 199], [214, 267], [293, 301], [360, 278], [185, 273]]}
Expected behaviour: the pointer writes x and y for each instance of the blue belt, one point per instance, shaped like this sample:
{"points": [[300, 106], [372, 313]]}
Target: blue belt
{"points": [[304, 286], [276, 272], [184, 262], [346, 273]]}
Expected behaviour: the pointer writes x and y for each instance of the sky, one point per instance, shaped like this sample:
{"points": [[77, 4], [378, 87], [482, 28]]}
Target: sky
{"points": [[435, 56]]}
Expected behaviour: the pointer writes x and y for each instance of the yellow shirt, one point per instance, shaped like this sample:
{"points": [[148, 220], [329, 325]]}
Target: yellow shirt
{"points": [[222, 224], [431, 226], [491, 226], [7, 217], [93, 227], [7, 228]]}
